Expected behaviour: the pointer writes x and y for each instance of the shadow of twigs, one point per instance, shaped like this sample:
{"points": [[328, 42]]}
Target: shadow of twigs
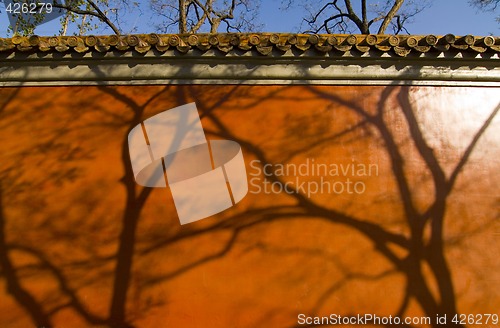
{"points": [[22, 296], [415, 251]]}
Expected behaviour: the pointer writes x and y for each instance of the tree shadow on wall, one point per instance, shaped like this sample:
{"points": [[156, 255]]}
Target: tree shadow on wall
{"points": [[426, 243], [16, 187], [114, 267], [68, 168], [423, 246]]}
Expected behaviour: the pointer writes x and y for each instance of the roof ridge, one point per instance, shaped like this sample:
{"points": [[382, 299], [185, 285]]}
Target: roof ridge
{"points": [[263, 43]]}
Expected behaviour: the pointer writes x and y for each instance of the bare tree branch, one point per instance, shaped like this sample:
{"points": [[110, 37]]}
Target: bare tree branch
{"points": [[355, 18], [390, 15], [345, 17], [191, 16], [363, 13], [97, 13], [182, 16]]}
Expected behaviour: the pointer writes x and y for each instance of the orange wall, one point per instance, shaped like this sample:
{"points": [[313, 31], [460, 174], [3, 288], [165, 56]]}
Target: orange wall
{"points": [[272, 256]]}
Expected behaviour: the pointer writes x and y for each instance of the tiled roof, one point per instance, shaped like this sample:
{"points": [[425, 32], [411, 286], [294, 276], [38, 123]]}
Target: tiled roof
{"points": [[261, 43]]}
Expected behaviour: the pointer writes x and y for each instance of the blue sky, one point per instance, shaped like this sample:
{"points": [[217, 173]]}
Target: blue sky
{"points": [[460, 19], [444, 16]]}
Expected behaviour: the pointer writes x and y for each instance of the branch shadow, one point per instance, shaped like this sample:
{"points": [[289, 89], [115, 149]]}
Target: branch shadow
{"points": [[392, 125]]}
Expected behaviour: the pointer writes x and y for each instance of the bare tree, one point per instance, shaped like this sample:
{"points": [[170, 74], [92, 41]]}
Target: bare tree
{"points": [[192, 16], [493, 4], [365, 17], [87, 9], [170, 16], [88, 15], [486, 5]]}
